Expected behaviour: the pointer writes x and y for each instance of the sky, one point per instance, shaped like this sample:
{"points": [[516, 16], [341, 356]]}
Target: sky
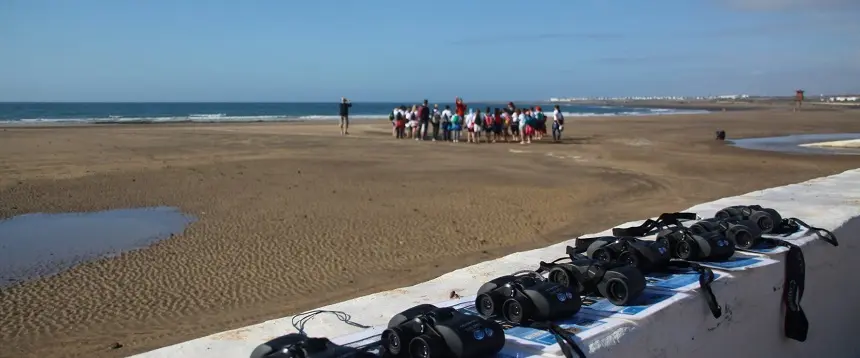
{"points": [[394, 50]]}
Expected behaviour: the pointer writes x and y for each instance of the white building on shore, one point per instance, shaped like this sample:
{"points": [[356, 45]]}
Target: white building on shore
{"points": [[843, 99]]}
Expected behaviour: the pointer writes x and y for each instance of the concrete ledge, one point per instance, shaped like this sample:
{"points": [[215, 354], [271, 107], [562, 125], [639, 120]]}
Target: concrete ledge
{"points": [[751, 325], [853, 143]]}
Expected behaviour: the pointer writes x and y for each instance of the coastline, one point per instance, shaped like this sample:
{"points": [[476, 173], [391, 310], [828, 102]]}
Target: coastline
{"points": [[357, 119], [40, 114]]}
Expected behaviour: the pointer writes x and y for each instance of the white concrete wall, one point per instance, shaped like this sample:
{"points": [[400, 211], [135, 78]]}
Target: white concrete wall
{"points": [[751, 325]]}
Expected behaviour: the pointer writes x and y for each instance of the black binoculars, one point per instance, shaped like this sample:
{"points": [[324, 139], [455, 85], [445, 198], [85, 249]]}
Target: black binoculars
{"points": [[427, 331], [619, 283], [707, 246], [766, 219], [745, 234], [296, 345], [646, 255], [519, 299]]}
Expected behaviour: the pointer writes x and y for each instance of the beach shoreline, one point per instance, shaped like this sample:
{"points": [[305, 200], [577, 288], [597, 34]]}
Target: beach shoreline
{"points": [[319, 119], [293, 216]]}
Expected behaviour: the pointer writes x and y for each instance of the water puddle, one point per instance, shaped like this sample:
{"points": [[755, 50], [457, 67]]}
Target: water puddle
{"points": [[792, 143], [34, 245]]}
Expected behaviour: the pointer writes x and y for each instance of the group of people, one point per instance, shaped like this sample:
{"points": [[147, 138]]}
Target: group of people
{"points": [[420, 122]]}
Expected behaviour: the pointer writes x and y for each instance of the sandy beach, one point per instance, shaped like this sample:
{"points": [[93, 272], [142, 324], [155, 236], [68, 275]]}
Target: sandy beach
{"points": [[293, 216]]}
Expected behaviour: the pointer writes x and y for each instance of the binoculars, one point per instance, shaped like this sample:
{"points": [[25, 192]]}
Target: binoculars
{"points": [[619, 283], [519, 299], [296, 345], [643, 254], [426, 331], [766, 219], [707, 246]]}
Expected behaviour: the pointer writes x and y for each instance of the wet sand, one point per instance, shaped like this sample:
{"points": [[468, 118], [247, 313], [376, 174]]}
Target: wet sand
{"points": [[292, 216]]}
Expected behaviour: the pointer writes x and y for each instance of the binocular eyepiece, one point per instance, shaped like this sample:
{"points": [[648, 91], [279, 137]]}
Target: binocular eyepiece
{"points": [[519, 299], [425, 331], [619, 283], [765, 219]]}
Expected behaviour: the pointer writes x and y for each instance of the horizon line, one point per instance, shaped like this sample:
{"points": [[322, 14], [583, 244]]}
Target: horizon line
{"points": [[576, 98]]}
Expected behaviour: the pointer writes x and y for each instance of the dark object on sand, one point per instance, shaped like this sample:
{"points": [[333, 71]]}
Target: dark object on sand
{"points": [[720, 135]]}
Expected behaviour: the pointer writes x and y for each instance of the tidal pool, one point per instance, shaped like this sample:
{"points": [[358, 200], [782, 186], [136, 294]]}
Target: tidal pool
{"points": [[792, 143], [35, 245]]}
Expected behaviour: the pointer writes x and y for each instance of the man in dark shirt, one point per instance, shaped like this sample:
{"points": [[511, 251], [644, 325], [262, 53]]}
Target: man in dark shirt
{"points": [[344, 115], [425, 119]]}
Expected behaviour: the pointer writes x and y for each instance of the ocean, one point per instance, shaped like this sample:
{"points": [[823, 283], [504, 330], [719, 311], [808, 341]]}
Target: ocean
{"points": [[34, 113]]}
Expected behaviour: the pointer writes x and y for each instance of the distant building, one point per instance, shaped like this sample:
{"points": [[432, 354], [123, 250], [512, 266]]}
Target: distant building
{"points": [[843, 99]]}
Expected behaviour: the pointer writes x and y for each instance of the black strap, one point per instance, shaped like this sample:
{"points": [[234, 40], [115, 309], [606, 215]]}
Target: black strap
{"points": [[649, 225], [568, 346], [706, 277], [796, 324], [823, 234]]}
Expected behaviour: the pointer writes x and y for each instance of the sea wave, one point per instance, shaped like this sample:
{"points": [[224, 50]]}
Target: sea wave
{"points": [[220, 117]]}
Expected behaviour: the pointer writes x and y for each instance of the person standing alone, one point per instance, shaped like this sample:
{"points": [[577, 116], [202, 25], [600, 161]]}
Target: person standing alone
{"points": [[424, 119], [345, 104]]}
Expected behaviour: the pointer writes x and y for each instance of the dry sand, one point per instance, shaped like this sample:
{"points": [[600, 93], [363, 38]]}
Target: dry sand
{"points": [[293, 216]]}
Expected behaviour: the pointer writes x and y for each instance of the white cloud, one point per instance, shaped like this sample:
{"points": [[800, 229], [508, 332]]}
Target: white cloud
{"points": [[792, 4]]}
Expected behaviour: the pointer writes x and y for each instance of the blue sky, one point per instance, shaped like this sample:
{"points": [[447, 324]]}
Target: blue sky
{"points": [[377, 50]]}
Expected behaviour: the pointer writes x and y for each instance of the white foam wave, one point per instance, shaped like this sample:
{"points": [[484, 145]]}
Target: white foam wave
{"points": [[633, 113]]}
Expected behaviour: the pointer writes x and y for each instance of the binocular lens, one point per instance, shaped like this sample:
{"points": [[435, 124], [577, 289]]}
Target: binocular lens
{"points": [[743, 239], [419, 348], [684, 249], [425, 346], [513, 311], [393, 342], [486, 307], [765, 223], [602, 254], [560, 277], [617, 290], [629, 259]]}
